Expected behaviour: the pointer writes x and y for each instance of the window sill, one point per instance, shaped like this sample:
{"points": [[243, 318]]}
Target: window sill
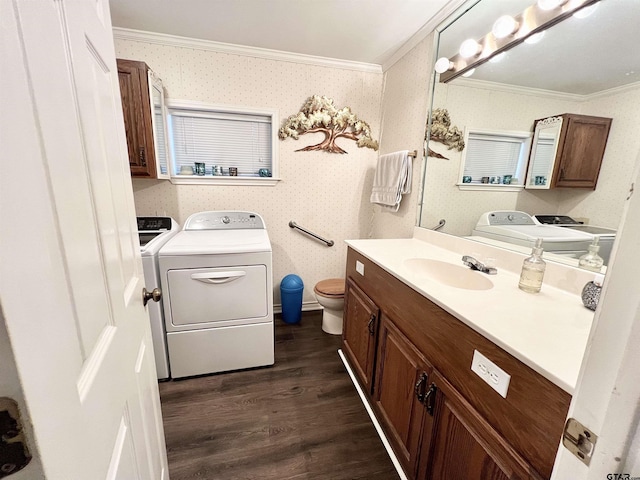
{"points": [[224, 180], [488, 187]]}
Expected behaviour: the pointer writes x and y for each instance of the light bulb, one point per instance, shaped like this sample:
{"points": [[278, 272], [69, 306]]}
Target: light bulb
{"points": [[535, 38], [469, 48], [550, 4], [504, 26], [498, 58], [443, 64], [586, 11], [468, 73]]}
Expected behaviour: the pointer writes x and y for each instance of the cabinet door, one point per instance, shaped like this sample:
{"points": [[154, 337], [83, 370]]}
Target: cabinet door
{"points": [[402, 381], [581, 151], [464, 446], [359, 332], [136, 109]]}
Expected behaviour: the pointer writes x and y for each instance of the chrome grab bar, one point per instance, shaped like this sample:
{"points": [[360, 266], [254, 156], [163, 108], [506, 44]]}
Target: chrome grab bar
{"points": [[440, 224], [293, 224]]}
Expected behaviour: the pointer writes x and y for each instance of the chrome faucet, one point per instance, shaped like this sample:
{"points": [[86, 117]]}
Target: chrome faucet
{"points": [[479, 266]]}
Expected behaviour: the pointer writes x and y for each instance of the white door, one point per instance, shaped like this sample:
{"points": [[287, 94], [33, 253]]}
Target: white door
{"points": [[70, 269]]}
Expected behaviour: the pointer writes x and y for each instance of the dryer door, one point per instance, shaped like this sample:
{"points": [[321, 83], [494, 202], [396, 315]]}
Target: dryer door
{"points": [[221, 296]]}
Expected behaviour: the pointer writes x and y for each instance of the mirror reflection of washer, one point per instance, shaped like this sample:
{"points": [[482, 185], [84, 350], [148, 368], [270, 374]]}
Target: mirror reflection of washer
{"points": [[216, 275]]}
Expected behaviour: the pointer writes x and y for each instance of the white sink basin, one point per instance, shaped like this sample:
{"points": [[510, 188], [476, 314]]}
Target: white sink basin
{"points": [[446, 273]]}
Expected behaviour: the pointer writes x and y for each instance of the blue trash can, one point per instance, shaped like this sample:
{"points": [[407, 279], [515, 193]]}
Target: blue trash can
{"points": [[291, 289]]}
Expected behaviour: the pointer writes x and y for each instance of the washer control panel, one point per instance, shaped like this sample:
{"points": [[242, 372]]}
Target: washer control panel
{"points": [[505, 218], [224, 220]]}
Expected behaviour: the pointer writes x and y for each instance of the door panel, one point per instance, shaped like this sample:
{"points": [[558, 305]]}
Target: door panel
{"points": [[91, 387], [359, 332], [464, 446], [402, 374]]}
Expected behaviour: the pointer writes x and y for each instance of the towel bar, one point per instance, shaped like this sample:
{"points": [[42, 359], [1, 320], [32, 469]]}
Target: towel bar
{"points": [[293, 224]]}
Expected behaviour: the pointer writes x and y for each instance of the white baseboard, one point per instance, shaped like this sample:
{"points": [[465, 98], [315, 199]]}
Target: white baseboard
{"points": [[374, 420], [306, 307]]}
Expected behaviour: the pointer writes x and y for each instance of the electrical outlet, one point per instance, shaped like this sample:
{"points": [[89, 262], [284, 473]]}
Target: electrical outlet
{"points": [[360, 267], [488, 371]]}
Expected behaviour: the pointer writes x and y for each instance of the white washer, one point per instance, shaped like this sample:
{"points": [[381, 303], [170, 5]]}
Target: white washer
{"points": [[519, 228], [216, 277], [154, 232]]}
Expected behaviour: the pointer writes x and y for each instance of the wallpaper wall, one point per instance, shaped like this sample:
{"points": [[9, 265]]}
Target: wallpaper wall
{"points": [[493, 109], [404, 105], [326, 193]]}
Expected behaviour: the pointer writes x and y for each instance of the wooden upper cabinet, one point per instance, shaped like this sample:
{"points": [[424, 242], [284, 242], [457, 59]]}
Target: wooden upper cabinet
{"points": [[580, 151], [359, 332], [144, 119], [567, 151]]}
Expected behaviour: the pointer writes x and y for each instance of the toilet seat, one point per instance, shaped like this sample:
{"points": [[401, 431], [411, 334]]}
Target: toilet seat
{"points": [[331, 287]]}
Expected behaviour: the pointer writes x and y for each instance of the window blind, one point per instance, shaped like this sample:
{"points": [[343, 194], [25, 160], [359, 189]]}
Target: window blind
{"points": [[490, 155], [222, 139]]}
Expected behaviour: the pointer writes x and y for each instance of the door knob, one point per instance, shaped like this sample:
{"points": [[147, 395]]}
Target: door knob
{"points": [[155, 295]]}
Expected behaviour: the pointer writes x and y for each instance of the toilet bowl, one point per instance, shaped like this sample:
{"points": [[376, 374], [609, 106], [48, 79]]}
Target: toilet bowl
{"points": [[330, 294]]}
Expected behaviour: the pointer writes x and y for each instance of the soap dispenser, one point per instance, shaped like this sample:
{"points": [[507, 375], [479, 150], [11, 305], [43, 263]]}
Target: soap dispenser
{"points": [[533, 270], [591, 260]]}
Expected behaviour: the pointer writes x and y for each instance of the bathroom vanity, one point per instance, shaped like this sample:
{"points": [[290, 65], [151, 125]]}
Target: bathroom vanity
{"points": [[410, 337]]}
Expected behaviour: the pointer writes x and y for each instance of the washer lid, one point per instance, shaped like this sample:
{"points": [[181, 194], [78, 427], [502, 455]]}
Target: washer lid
{"points": [[211, 242]]}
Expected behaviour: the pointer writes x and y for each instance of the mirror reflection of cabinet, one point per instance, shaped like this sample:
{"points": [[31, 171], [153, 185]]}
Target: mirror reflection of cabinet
{"points": [[144, 119], [567, 151]]}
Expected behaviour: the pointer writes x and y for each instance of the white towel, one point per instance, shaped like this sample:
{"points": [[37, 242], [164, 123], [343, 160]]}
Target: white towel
{"points": [[392, 179]]}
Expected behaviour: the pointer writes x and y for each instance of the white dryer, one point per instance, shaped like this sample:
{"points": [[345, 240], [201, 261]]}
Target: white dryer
{"points": [[216, 277]]}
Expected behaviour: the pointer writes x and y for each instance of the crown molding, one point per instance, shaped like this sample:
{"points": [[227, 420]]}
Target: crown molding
{"points": [[424, 32], [613, 91], [503, 87], [219, 47], [539, 92]]}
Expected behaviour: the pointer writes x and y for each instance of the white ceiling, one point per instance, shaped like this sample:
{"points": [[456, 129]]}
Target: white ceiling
{"points": [[368, 31]]}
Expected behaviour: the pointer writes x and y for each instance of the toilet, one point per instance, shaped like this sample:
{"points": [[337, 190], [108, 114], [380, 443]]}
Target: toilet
{"points": [[330, 294]]}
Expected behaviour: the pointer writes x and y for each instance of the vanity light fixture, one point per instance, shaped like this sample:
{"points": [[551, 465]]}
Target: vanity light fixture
{"points": [[507, 32], [504, 26], [468, 73], [469, 48], [443, 65]]}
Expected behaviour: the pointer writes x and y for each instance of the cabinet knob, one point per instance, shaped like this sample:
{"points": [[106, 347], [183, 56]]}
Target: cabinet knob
{"points": [[142, 156]]}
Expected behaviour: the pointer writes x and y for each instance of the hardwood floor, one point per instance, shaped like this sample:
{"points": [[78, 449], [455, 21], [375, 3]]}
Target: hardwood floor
{"points": [[300, 419]]}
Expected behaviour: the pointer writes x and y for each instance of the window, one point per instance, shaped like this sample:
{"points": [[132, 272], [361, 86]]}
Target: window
{"points": [[494, 160], [222, 139]]}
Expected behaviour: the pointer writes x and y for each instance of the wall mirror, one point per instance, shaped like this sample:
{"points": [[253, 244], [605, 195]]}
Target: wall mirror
{"points": [[584, 66], [159, 123]]}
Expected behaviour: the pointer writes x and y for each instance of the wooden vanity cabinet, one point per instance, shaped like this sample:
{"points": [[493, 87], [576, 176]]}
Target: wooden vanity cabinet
{"points": [[463, 445], [142, 97], [451, 425], [361, 316], [402, 384]]}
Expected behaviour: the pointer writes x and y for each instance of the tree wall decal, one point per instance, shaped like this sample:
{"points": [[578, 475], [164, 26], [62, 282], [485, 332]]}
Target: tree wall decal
{"points": [[443, 132], [318, 114]]}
